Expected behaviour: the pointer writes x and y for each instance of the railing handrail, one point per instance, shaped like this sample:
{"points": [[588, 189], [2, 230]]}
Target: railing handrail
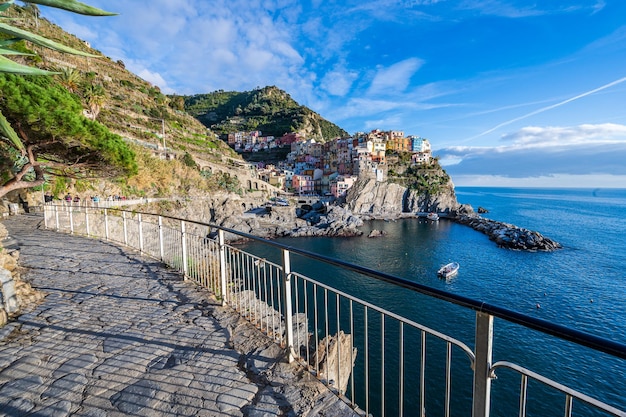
{"points": [[589, 340]]}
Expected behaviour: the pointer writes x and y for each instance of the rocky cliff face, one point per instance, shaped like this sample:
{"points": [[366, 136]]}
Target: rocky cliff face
{"points": [[371, 199], [249, 215]]}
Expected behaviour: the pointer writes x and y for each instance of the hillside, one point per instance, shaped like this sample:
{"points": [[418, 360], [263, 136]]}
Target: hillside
{"points": [[268, 109], [133, 109]]}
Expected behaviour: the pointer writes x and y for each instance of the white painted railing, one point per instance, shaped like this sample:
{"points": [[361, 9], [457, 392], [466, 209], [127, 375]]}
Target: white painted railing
{"points": [[393, 355]]}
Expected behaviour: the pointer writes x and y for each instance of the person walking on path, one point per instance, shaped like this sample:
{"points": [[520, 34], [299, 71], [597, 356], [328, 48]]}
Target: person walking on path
{"points": [[120, 335]]}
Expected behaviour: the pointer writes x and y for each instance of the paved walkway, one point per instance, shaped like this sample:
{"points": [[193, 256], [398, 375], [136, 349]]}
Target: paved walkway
{"points": [[118, 334]]}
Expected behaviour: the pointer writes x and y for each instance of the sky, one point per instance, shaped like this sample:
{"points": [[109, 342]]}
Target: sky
{"points": [[509, 92]]}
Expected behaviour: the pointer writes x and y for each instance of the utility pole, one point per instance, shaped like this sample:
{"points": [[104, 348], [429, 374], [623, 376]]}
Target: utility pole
{"points": [[163, 132]]}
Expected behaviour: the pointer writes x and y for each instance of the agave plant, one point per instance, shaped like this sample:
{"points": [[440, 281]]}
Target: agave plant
{"points": [[17, 34]]}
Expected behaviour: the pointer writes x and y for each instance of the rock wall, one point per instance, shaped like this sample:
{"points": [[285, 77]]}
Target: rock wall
{"points": [[371, 199], [15, 294]]}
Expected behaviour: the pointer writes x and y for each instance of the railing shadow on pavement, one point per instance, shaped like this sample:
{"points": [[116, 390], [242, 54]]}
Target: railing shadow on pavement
{"points": [[378, 361]]}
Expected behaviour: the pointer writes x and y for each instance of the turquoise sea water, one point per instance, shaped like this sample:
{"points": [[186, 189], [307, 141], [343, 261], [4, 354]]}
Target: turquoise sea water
{"points": [[582, 286]]}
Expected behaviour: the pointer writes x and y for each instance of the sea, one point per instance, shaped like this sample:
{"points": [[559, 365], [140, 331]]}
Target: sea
{"points": [[581, 286]]}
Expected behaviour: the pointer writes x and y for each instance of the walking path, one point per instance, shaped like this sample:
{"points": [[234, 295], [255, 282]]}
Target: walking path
{"points": [[118, 334]]}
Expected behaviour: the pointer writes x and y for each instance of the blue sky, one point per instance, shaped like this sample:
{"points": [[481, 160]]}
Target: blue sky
{"points": [[509, 92]]}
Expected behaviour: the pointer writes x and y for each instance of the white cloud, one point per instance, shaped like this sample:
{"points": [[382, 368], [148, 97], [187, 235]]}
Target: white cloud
{"points": [[156, 79], [592, 134], [338, 81], [536, 152], [395, 78]]}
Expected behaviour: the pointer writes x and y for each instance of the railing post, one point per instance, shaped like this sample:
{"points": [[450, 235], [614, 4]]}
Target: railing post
{"points": [[286, 284], [481, 402], [183, 237], [45, 216], [106, 225], [87, 220], [125, 227], [223, 285], [71, 216], [56, 216], [140, 234], [161, 248]]}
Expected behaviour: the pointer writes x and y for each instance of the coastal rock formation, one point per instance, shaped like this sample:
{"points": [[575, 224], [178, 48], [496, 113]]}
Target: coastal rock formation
{"points": [[335, 359], [251, 216], [377, 233], [372, 199], [509, 236]]}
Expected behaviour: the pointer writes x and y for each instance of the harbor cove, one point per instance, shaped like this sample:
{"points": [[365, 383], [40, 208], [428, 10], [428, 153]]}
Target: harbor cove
{"points": [[579, 286]]}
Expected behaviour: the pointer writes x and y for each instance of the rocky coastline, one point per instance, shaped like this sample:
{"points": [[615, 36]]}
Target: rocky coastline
{"points": [[509, 236], [366, 200]]}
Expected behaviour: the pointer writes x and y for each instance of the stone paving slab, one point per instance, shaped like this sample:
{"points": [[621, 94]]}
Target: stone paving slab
{"points": [[118, 334]]}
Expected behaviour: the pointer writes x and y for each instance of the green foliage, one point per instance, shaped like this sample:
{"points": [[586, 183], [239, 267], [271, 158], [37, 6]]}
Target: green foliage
{"points": [[268, 109], [429, 179], [60, 186], [51, 120], [188, 160]]}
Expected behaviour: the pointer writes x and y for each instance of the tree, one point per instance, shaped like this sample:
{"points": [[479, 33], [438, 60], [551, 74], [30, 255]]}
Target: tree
{"points": [[58, 140], [95, 96], [70, 144], [69, 78]]}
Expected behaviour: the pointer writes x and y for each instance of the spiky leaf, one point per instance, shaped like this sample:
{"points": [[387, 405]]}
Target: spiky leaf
{"points": [[7, 42], [8, 132], [5, 51], [41, 41], [5, 6], [73, 6], [6, 65]]}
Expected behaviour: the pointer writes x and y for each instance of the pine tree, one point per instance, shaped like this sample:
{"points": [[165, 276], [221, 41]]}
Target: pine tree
{"points": [[28, 150]]}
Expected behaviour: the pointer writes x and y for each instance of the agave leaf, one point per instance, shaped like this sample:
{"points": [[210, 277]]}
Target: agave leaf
{"points": [[6, 65], [73, 6], [5, 51], [41, 41], [5, 6], [7, 131], [7, 42]]}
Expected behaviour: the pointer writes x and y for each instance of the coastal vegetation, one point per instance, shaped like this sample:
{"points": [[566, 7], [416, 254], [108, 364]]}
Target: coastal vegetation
{"points": [[57, 139], [268, 109], [90, 125], [45, 130], [426, 178]]}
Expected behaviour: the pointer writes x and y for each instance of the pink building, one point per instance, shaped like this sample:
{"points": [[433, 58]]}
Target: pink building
{"points": [[341, 185], [303, 184]]}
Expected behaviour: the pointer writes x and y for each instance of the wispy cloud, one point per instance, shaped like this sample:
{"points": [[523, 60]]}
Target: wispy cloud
{"points": [[521, 9], [552, 106], [394, 78]]}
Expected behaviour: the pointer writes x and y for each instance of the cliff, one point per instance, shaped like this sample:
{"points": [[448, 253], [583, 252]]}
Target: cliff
{"points": [[373, 200]]}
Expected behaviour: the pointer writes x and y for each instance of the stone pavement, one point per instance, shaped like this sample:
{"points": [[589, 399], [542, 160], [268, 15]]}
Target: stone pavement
{"points": [[118, 334]]}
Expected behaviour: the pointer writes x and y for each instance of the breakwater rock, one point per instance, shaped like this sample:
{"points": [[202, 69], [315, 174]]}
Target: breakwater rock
{"points": [[509, 236]]}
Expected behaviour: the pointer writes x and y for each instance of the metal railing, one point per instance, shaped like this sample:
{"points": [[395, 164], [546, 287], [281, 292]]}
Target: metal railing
{"points": [[379, 361]]}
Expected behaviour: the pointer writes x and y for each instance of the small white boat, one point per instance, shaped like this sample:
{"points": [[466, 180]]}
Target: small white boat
{"points": [[432, 216], [448, 270]]}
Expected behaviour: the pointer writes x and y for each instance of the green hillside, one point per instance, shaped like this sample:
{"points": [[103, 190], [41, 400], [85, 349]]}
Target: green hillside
{"points": [[125, 105], [268, 109]]}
